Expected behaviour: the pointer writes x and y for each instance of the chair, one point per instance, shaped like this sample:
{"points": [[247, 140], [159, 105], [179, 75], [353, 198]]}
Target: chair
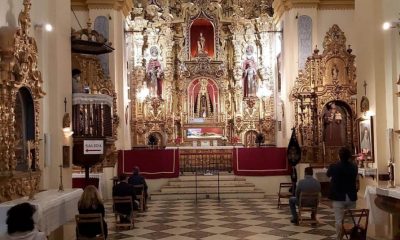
{"points": [[84, 221], [308, 203], [140, 195], [284, 194], [127, 201], [354, 218]]}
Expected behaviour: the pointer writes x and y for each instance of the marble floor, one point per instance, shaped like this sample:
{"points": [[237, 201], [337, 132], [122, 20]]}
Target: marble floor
{"points": [[229, 219]]}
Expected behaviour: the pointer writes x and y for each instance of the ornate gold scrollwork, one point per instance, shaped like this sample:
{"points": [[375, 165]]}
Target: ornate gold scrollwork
{"points": [[18, 69], [329, 77]]}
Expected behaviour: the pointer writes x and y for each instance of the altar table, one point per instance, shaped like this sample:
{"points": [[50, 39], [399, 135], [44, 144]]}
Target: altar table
{"points": [[53, 209], [102, 181]]}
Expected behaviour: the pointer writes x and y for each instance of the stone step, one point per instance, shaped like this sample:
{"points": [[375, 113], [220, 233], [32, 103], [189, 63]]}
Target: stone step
{"points": [[240, 182], [255, 194], [207, 189], [209, 178]]}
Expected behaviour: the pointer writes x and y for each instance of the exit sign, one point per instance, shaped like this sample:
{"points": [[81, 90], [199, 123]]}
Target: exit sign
{"points": [[93, 146]]}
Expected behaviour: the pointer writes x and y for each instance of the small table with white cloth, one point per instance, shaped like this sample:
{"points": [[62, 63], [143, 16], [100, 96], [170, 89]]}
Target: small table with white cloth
{"points": [[53, 209]]}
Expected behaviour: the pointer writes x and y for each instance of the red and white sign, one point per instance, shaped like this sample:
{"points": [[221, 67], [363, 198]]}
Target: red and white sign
{"points": [[93, 146]]}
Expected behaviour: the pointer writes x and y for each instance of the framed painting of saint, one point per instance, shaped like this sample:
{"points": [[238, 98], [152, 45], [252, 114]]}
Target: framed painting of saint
{"points": [[366, 138]]}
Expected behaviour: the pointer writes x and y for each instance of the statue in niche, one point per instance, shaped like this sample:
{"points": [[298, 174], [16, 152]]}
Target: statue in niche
{"points": [[203, 105], [77, 86], [335, 72], [155, 74], [201, 43], [249, 81], [333, 127]]}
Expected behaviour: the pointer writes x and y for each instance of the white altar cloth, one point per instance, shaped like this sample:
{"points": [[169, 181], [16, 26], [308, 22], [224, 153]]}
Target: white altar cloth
{"points": [[53, 209], [376, 215]]}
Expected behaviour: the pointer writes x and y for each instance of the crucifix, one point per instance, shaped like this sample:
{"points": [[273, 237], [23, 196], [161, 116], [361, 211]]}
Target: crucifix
{"points": [[365, 88]]}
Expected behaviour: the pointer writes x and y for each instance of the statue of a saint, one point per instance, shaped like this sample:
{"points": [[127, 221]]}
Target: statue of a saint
{"points": [[155, 74], [249, 81], [333, 126], [201, 43], [335, 72]]}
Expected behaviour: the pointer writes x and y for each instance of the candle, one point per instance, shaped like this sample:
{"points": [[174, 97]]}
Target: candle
{"points": [[323, 148]]}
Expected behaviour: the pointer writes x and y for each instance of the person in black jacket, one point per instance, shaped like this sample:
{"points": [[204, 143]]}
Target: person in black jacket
{"points": [[137, 179], [123, 189], [343, 187], [90, 202]]}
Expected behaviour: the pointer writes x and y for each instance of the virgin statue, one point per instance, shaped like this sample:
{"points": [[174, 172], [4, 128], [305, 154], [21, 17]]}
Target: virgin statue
{"points": [[249, 81]]}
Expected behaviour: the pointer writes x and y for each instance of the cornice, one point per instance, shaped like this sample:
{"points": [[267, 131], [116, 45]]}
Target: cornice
{"points": [[280, 6], [124, 6]]}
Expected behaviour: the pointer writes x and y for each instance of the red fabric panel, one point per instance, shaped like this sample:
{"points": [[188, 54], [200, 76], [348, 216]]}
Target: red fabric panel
{"points": [[269, 161], [81, 183], [153, 163]]}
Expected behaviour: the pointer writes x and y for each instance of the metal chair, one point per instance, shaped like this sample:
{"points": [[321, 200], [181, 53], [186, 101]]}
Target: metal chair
{"points": [[85, 221], [120, 216], [308, 203], [284, 189], [355, 220]]}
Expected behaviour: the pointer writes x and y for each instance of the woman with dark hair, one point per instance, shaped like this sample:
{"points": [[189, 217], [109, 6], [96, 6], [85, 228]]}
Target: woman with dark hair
{"points": [[20, 224], [90, 202]]}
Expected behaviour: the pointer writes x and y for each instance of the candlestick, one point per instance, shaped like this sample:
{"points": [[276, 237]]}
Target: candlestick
{"points": [[323, 148], [61, 187]]}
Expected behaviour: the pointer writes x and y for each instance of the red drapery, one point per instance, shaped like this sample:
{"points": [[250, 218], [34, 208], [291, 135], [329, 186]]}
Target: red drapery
{"points": [[153, 163], [260, 161]]}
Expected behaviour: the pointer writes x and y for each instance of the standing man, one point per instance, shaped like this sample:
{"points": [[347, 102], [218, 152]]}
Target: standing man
{"points": [[309, 185], [343, 189]]}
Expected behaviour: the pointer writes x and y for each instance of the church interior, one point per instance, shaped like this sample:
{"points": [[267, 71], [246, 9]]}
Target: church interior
{"points": [[219, 103]]}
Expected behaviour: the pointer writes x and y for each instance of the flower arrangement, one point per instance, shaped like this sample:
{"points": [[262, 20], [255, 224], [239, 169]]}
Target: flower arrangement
{"points": [[235, 139], [178, 140], [361, 157]]}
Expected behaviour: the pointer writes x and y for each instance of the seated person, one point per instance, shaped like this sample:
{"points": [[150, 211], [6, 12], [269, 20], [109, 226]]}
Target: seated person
{"points": [[308, 184], [123, 189], [137, 179], [20, 224], [90, 202]]}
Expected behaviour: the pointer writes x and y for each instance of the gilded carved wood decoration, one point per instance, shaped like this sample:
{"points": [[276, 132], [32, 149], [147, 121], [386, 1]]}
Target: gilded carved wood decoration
{"points": [[92, 75], [18, 70], [328, 82], [186, 56]]}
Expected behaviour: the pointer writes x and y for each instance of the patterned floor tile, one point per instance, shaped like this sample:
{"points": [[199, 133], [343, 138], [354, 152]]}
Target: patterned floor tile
{"points": [[236, 219]]}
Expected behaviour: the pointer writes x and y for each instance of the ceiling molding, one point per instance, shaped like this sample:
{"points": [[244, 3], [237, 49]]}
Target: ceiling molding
{"points": [[124, 6], [280, 6]]}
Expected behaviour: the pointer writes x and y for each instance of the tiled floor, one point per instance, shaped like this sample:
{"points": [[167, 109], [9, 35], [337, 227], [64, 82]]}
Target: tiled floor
{"points": [[228, 219]]}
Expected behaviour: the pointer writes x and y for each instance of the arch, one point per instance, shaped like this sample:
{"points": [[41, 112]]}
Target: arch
{"points": [[101, 25], [194, 93], [337, 124], [160, 139], [24, 127], [205, 27], [304, 25]]}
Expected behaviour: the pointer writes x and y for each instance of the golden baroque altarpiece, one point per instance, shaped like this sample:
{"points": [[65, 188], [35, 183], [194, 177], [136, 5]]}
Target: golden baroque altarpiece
{"points": [[20, 91], [195, 70], [325, 101]]}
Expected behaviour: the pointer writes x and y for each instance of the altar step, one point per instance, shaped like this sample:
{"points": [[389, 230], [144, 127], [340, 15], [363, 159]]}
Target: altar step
{"points": [[230, 186]]}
